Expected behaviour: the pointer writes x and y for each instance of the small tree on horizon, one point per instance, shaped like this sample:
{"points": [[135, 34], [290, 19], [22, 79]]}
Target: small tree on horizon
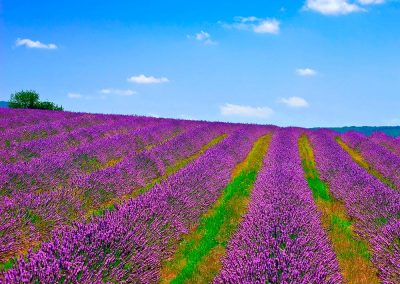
{"points": [[30, 99], [24, 99]]}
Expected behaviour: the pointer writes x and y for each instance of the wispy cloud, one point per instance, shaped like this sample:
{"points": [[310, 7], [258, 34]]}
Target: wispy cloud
{"points": [[371, 2], [118, 92], [74, 96], [306, 72], [245, 111], [295, 102], [34, 44], [143, 79], [339, 7], [203, 37], [257, 25]]}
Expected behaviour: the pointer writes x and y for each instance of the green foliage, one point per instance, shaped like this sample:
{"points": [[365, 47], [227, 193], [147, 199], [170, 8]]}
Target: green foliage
{"points": [[343, 228], [88, 164], [318, 188], [34, 218], [30, 99], [381, 221], [48, 105], [24, 99], [7, 265], [102, 211]]}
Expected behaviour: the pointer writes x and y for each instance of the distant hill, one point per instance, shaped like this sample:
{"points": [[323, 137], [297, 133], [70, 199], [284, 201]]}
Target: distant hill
{"points": [[368, 130], [3, 104]]}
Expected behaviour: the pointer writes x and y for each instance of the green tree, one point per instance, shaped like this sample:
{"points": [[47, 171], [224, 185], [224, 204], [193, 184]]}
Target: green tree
{"points": [[30, 99], [48, 105], [24, 99]]}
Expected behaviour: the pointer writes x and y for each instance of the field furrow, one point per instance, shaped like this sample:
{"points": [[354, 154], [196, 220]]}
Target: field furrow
{"points": [[32, 212], [52, 171], [198, 256], [351, 251], [376, 159], [373, 206], [93, 198], [390, 143], [281, 239], [69, 140], [129, 243]]}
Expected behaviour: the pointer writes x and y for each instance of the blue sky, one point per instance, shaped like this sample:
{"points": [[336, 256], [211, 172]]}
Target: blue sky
{"points": [[304, 63]]}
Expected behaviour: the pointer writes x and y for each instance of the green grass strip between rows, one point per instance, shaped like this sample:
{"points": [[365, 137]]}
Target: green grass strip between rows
{"points": [[352, 253], [198, 257]]}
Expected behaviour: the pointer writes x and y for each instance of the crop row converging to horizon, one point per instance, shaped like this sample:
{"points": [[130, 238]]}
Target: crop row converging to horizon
{"points": [[91, 198]]}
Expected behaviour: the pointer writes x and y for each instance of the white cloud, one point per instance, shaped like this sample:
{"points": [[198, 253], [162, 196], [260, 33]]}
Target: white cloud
{"points": [[371, 2], [333, 7], [247, 111], [203, 37], [267, 26], [295, 102], [142, 79], [34, 44], [257, 25], [306, 72], [118, 92], [74, 96]]}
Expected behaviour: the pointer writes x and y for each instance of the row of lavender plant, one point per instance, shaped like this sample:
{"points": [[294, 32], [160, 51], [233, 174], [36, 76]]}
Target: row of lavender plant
{"points": [[10, 137], [65, 140], [129, 243], [136, 171], [12, 118], [386, 141], [280, 239], [374, 206], [381, 159], [51, 171], [28, 213], [10, 113]]}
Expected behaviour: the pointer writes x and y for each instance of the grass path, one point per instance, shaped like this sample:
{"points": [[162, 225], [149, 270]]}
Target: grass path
{"points": [[358, 158], [198, 255], [352, 253]]}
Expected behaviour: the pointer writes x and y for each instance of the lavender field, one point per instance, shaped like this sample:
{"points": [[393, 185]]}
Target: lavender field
{"points": [[91, 198]]}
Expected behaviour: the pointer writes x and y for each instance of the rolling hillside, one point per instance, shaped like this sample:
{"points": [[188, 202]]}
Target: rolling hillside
{"points": [[91, 198]]}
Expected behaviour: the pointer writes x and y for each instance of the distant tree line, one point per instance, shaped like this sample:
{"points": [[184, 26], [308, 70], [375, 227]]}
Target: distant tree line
{"points": [[30, 99]]}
